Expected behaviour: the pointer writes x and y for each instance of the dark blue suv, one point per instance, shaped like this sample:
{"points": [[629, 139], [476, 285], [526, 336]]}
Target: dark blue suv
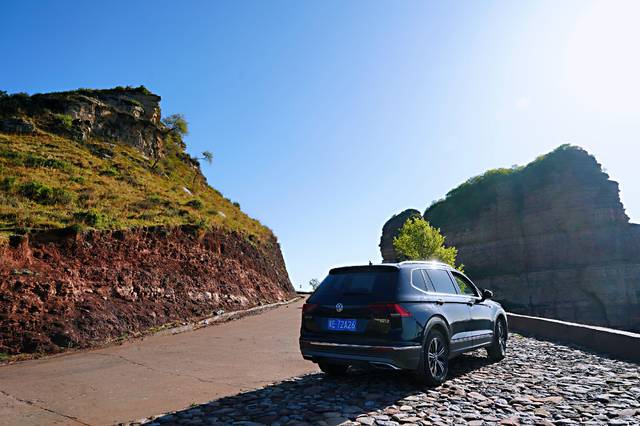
{"points": [[403, 316]]}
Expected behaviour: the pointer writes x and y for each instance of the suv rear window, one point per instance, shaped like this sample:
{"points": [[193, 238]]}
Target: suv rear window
{"points": [[367, 285]]}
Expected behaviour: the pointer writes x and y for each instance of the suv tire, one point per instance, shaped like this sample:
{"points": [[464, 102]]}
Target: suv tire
{"points": [[498, 349], [434, 361], [335, 370]]}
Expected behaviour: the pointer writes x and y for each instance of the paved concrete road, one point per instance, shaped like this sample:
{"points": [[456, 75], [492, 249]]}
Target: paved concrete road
{"points": [[158, 374]]}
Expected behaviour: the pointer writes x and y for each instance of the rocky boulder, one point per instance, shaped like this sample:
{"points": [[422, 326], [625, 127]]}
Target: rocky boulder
{"points": [[390, 230]]}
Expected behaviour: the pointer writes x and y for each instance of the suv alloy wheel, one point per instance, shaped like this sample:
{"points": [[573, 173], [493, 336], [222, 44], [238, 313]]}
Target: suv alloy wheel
{"points": [[498, 349], [434, 364]]}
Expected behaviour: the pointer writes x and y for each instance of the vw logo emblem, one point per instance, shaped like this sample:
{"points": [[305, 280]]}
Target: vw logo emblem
{"points": [[339, 307]]}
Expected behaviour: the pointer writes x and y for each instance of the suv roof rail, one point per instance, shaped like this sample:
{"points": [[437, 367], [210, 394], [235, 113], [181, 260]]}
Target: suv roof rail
{"points": [[431, 262]]}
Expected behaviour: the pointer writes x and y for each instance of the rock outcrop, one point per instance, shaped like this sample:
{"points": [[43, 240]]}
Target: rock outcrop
{"points": [[61, 289], [550, 239], [390, 230], [126, 115]]}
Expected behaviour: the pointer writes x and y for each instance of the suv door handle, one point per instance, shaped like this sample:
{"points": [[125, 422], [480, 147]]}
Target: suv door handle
{"points": [[470, 302], [440, 301]]}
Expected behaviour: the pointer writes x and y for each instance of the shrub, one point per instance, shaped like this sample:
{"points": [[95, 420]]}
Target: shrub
{"points": [[134, 102], [43, 194], [109, 171], [65, 120], [143, 90], [195, 203], [31, 160], [10, 155], [202, 224], [7, 183], [155, 199], [151, 201], [140, 89], [92, 218]]}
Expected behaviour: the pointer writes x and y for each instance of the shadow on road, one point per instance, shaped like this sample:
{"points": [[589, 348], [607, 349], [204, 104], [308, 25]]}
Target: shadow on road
{"points": [[317, 398]]}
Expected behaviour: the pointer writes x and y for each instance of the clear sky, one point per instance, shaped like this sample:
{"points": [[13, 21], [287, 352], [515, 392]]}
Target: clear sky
{"points": [[327, 117]]}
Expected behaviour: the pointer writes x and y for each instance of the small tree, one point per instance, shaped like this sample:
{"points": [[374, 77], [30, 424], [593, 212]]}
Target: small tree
{"points": [[177, 123], [206, 156], [178, 127], [418, 240], [314, 283]]}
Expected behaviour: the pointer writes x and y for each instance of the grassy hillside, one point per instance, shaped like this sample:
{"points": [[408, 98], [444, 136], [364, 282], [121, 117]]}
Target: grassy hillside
{"points": [[48, 181]]}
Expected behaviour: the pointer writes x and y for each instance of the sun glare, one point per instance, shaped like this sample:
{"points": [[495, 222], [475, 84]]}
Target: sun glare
{"points": [[603, 58]]}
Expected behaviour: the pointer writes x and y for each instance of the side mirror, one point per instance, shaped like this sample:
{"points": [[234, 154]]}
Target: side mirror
{"points": [[487, 294]]}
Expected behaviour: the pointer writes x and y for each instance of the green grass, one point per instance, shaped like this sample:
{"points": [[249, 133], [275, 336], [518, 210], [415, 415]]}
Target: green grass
{"points": [[65, 120], [51, 182]]}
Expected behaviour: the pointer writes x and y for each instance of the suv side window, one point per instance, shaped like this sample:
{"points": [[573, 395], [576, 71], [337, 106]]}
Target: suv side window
{"points": [[427, 280], [418, 280], [441, 281], [421, 280], [464, 285]]}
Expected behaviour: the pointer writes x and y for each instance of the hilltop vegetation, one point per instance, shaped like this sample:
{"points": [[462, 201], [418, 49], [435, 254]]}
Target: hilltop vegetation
{"points": [[477, 193]]}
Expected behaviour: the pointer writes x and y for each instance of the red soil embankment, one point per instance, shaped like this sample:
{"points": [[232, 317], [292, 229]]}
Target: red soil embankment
{"points": [[62, 289]]}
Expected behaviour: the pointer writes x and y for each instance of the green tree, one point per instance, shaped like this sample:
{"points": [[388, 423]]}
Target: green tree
{"points": [[177, 123], [418, 240], [206, 156], [178, 126]]}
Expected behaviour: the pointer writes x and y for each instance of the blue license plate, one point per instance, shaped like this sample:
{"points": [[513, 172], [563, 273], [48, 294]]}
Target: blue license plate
{"points": [[342, 324]]}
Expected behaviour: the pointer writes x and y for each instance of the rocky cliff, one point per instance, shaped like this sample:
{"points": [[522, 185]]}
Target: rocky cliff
{"points": [[108, 227], [551, 239], [124, 115]]}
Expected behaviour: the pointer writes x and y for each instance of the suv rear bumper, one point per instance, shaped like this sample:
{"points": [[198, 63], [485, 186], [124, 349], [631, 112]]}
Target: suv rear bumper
{"points": [[389, 357]]}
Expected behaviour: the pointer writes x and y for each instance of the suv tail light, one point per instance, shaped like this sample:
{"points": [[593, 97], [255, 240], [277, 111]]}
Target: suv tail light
{"points": [[389, 310], [307, 308]]}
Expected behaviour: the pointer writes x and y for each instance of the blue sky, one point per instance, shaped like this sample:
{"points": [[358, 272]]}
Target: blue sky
{"points": [[328, 117]]}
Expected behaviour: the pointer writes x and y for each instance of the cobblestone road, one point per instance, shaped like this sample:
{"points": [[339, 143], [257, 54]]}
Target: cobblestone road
{"points": [[538, 383]]}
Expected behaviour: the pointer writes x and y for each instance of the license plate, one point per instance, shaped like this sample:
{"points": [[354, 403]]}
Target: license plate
{"points": [[342, 324]]}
